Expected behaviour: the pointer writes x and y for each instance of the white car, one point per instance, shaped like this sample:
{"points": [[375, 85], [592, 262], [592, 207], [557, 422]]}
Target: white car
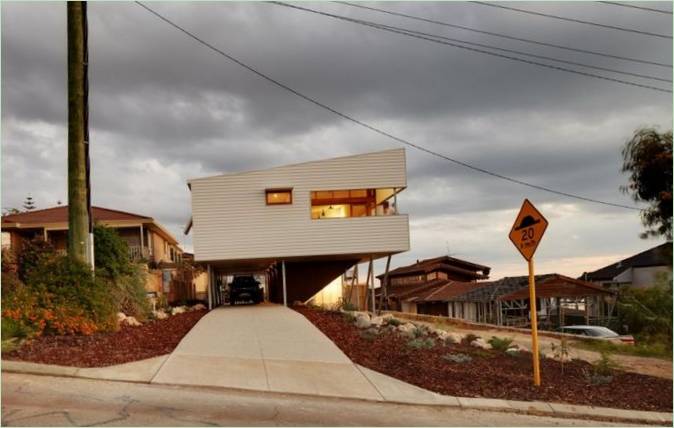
{"points": [[598, 332]]}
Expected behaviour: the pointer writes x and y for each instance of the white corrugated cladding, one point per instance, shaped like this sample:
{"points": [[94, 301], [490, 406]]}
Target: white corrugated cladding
{"points": [[231, 219]]}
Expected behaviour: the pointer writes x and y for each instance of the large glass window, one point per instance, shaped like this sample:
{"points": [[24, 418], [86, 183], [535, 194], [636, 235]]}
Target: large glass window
{"points": [[352, 203]]}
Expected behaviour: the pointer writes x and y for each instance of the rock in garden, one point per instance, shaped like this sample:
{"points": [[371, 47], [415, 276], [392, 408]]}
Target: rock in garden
{"points": [[131, 321], [480, 343], [363, 320], [160, 315], [198, 307], [377, 321], [454, 338], [178, 310], [407, 329], [120, 317]]}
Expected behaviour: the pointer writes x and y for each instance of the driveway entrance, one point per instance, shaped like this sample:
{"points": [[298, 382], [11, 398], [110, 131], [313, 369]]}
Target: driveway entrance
{"points": [[264, 347]]}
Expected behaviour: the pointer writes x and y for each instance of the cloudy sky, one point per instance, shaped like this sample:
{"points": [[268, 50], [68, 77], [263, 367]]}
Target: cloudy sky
{"points": [[165, 109]]}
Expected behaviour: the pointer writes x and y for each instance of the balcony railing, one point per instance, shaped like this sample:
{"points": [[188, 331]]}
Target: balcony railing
{"points": [[137, 253]]}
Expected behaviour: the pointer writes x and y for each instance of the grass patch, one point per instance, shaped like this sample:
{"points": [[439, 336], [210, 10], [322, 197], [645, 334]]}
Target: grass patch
{"points": [[349, 317], [645, 349], [421, 343], [369, 334], [457, 358], [10, 345], [501, 344], [394, 322]]}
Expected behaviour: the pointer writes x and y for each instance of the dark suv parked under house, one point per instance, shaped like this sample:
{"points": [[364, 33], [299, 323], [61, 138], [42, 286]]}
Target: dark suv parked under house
{"points": [[245, 288]]}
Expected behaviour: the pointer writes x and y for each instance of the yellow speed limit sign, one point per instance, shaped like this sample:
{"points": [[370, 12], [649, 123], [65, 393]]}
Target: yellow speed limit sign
{"points": [[526, 234], [528, 230]]}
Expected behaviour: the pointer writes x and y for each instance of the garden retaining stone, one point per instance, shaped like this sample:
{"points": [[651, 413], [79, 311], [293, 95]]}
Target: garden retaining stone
{"points": [[480, 343], [363, 320], [377, 321], [178, 310]]}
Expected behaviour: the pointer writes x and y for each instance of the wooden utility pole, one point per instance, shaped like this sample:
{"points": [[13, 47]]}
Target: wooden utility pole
{"points": [[78, 196]]}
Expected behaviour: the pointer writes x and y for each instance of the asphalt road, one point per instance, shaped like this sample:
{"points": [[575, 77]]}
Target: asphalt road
{"points": [[29, 400]]}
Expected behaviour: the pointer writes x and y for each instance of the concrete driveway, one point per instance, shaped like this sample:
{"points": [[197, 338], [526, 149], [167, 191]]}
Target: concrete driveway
{"points": [[266, 348]]}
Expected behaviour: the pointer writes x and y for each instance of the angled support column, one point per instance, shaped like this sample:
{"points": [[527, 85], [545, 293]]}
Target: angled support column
{"points": [[371, 270], [210, 288], [285, 291]]}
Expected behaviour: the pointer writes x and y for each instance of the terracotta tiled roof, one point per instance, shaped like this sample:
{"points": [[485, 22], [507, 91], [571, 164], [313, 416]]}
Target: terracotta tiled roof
{"points": [[444, 263], [60, 214], [445, 292]]}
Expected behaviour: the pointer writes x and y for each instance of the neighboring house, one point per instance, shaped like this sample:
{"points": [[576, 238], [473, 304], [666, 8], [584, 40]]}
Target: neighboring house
{"points": [[147, 239], [560, 300], [302, 225], [428, 274], [639, 271]]}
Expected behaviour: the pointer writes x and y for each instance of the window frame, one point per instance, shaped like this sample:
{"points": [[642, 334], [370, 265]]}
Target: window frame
{"points": [[288, 190]]}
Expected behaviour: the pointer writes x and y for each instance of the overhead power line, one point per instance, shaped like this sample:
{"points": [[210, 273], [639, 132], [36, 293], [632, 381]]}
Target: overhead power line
{"points": [[434, 38], [368, 126], [505, 36], [411, 33], [649, 9], [578, 21]]}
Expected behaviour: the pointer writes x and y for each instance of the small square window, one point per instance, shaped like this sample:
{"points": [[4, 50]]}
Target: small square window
{"points": [[279, 196]]}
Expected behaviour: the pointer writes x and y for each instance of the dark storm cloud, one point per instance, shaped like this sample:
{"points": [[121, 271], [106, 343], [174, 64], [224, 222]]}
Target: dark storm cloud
{"points": [[164, 108]]}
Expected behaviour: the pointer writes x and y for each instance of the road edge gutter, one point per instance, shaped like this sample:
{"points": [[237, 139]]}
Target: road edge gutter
{"points": [[534, 408]]}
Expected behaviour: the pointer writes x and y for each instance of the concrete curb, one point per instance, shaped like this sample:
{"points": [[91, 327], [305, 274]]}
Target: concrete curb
{"points": [[137, 371], [143, 372]]}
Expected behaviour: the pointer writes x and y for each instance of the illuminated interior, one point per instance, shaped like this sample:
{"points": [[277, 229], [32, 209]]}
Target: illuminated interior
{"points": [[353, 203], [279, 196]]}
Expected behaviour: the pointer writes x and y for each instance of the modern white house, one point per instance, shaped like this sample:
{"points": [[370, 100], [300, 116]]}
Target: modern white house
{"points": [[638, 271], [300, 225]]}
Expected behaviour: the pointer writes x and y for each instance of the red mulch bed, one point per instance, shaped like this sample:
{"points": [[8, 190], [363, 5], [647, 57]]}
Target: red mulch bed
{"points": [[490, 374], [152, 339]]}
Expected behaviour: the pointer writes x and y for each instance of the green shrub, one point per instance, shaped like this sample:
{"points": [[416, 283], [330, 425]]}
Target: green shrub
{"points": [[349, 317], [10, 282], [111, 253], [602, 370], [421, 343], [370, 334], [53, 294], [420, 331], [126, 278], [501, 344], [162, 302], [394, 322], [14, 329], [129, 292], [39, 311], [648, 311], [33, 254], [457, 358], [72, 284], [347, 306], [605, 365], [470, 337], [561, 352]]}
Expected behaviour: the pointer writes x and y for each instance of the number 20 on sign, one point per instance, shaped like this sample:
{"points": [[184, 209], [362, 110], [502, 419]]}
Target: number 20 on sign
{"points": [[526, 234]]}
